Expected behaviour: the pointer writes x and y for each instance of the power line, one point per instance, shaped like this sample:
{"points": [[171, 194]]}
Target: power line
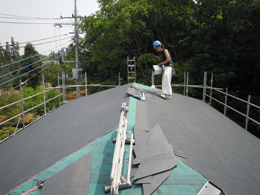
{"points": [[42, 39], [31, 56], [34, 68], [38, 72], [15, 18], [36, 18], [20, 47], [26, 66], [47, 42], [37, 40], [22, 23], [33, 75], [28, 17]]}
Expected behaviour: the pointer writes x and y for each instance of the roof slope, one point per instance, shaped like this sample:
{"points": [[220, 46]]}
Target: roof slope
{"points": [[57, 135], [201, 137], [209, 142], [73, 174]]}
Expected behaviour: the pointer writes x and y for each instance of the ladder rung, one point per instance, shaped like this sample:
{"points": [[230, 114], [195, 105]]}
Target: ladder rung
{"points": [[131, 65], [131, 72], [131, 77]]}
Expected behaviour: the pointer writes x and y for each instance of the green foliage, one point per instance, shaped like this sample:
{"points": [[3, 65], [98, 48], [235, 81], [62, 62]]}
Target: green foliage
{"points": [[9, 98], [30, 64], [107, 82], [15, 109], [216, 36], [92, 90], [34, 101], [5, 58], [50, 74], [9, 112], [3, 136]]}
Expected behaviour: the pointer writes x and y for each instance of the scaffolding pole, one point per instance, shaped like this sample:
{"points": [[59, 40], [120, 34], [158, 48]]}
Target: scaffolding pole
{"points": [[21, 93]]}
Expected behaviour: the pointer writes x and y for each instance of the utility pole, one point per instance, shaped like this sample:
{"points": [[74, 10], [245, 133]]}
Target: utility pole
{"points": [[76, 39], [76, 50]]}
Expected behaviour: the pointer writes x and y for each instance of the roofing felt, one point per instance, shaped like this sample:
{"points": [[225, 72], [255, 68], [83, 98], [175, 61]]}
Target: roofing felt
{"points": [[57, 135]]}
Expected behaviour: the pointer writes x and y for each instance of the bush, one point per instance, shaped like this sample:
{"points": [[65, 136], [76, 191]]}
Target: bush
{"points": [[3, 136], [29, 91], [11, 110]]}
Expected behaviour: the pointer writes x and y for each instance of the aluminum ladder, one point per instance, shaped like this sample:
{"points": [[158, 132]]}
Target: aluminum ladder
{"points": [[131, 69]]}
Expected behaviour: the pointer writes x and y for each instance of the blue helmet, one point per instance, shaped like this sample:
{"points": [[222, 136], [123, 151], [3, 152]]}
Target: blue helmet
{"points": [[156, 44]]}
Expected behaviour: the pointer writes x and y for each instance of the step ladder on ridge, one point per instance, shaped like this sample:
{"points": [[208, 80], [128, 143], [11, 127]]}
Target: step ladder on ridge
{"points": [[131, 69]]}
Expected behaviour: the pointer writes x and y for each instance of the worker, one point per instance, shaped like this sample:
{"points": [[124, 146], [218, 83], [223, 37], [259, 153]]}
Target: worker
{"points": [[166, 63]]}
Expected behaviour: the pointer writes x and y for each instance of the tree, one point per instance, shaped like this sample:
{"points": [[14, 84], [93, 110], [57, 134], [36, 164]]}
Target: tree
{"points": [[216, 36], [15, 56], [9, 55], [28, 72], [34, 101], [4, 70]]}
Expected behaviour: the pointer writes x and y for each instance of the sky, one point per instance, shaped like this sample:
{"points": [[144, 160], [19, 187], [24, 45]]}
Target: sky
{"points": [[27, 11]]}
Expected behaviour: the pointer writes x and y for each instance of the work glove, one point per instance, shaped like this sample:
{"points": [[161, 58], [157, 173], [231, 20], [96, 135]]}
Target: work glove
{"points": [[160, 64]]}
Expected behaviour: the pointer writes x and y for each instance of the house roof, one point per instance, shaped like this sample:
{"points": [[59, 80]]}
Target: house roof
{"points": [[57, 135], [201, 137], [207, 141]]}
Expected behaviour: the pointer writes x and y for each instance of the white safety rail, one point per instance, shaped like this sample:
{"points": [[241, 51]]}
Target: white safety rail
{"points": [[22, 115], [205, 87], [118, 181]]}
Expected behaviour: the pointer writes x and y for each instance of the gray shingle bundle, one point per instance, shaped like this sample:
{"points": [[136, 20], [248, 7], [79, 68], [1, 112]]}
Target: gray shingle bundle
{"points": [[154, 157], [132, 92]]}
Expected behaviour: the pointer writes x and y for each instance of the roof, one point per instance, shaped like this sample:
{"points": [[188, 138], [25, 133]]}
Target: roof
{"points": [[203, 140], [207, 141], [57, 135]]}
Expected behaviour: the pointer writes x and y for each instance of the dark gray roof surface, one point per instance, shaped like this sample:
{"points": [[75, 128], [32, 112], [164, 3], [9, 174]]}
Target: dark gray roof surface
{"points": [[74, 179], [207, 141], [155, 157], [57, 135], [210, 143]]}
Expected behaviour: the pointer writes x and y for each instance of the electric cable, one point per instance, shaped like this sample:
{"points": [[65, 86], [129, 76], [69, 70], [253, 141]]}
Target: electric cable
{"points": [[22, 22], [26, 66], [35, 68], [31, 56], [37, 40], [46, 42], [29, 17], [33, 76], [38, 72], [42, 39]]}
